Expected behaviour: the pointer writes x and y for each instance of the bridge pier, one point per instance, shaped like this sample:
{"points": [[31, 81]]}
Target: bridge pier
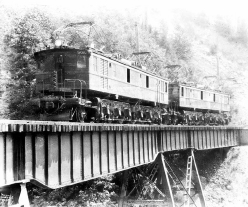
{"points": [[17, 195], [23, 198]]}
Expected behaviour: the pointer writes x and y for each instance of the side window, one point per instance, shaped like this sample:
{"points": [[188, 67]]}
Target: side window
{"points": [[201, 95], [128, 75], [182, 91], [114, 70], [214, 97], [95, 63], [45, 62], [165, 87], [147, 81]]}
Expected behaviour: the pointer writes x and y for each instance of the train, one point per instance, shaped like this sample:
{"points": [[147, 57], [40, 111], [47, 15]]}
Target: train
{"points": [[88, 85]]}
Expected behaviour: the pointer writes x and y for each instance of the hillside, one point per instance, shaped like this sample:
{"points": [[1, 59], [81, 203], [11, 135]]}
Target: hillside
{"points": [[229, 185]]}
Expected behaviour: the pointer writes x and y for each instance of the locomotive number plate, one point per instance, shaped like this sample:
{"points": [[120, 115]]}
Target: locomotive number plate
{"points": [[82, 52]]}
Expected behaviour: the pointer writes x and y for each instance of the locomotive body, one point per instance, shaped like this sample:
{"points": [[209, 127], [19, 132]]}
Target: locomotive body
{"points": [[199, 105], [87, 85], [192, 98]]}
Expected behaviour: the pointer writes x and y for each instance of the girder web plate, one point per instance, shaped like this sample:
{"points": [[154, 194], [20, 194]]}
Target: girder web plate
{"points": [[56, 154]]}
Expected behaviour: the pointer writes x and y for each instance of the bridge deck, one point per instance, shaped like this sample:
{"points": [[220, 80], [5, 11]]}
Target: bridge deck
{"points": [[56, 154]]}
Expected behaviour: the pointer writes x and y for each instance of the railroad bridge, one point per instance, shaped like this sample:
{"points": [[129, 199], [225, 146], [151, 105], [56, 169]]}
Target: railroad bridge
{"points": [[58, 154]]}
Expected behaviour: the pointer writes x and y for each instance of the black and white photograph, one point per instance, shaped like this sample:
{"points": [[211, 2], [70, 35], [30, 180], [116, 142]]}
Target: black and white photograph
{"points": [[110, 103]]}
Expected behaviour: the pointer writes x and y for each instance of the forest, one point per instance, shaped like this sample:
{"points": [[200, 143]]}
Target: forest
{"points": [[187, 47]]}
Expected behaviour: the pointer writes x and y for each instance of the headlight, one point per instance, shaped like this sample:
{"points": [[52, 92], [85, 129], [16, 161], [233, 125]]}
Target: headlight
{"points": [[58, 43]]}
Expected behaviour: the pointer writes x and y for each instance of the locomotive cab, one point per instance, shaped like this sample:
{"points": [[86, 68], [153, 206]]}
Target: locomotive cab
{"points": [[63, 84], [56, 65]]}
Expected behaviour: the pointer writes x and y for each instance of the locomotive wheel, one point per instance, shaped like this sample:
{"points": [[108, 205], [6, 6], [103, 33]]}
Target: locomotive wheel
{"points": [[80, 115]]}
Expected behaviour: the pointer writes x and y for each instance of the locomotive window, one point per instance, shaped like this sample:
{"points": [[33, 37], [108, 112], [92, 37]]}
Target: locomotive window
{"points": [[214, 97], [114, 70], [128, 75], [60, 59], [95, 63], [147, 81], [182, 91], [201, 95], [226, 100], [81, 61], [46, 62], [165, 87]]}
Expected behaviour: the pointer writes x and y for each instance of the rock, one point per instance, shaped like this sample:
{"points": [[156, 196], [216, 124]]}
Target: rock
{"points": [[179, 196]]}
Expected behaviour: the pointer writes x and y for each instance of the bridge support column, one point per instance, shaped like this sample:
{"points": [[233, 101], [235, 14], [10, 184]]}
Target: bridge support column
{"points": [[23, 198], [123, 188], [166, 180], [19, 196]]}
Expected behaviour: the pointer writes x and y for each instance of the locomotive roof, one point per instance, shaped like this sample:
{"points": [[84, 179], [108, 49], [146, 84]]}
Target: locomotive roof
{"points": [[92, 50]]}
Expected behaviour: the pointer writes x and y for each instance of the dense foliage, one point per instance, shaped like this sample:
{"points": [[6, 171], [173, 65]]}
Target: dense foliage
{"points": [[27, 32], [102, 190]]}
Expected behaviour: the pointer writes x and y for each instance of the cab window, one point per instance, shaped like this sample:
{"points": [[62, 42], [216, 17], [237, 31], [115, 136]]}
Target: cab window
{"points": [[81, 61]]}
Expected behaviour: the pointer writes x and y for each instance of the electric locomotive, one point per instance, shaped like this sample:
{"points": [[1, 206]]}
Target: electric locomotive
{"points": [[199, 106], [86, 85]]}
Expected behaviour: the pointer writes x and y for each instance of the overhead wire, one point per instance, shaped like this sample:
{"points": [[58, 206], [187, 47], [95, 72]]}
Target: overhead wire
{"points": [[103, 33], [99, 35]]}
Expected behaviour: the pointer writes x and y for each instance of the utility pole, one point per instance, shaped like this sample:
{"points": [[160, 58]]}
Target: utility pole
{"points": [[137, 36], [218, 69], [137, 40]]}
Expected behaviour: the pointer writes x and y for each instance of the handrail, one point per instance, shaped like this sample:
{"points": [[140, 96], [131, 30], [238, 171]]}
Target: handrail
{"points": [[81, 87]]}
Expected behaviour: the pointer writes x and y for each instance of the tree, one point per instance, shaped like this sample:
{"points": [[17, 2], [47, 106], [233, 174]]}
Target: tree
{"points": [[223, 27], [181, 46], [242, 33], [27, 32]]}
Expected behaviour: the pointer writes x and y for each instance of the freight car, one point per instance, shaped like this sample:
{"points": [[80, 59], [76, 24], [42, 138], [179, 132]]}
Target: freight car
{"points": [[86, 85]]}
